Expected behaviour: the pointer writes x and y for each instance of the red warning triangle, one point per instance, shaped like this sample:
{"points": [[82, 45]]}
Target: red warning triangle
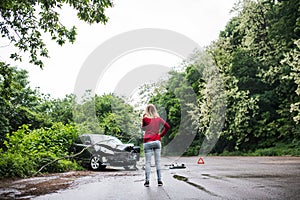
{"points": [[200, 161]]}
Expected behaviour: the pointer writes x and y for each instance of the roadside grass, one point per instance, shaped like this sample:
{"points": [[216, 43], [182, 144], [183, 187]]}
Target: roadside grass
{"points": [[278, 150]]}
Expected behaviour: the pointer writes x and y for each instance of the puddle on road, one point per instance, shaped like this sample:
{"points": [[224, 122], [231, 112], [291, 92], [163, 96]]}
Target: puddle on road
{"points": [[211, 176], [244, 176], [185, 179], [258, 176], [181, 178]]}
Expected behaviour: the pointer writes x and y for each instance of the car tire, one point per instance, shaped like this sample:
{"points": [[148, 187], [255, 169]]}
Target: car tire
{"points": [[95, 163]]}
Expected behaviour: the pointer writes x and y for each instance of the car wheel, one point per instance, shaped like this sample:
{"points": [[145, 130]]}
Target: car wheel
{"points": [[95, 163]]}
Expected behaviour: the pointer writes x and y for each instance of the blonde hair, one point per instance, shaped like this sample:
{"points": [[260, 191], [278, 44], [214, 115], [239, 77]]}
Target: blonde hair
{"points": [[151, 111]]}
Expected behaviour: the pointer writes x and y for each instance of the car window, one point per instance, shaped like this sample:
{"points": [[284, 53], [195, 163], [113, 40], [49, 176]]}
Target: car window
{"points": [[85, 139], [115, 141], [98, 138], [109, 140]]}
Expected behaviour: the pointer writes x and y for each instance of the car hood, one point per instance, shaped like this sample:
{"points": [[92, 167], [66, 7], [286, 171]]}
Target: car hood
{"points": [[123, 146]]}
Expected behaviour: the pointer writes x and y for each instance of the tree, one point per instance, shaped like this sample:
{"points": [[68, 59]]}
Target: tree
{"points": [[250, 51], [57, 110], [23, 23], [18, 102], [293, 60], [237, 70], [257, 55], [118, 118], [108, 114]]}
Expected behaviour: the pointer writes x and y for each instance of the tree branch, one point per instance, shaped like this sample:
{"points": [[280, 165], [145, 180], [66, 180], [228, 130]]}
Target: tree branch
{"points": [[69, 156]]}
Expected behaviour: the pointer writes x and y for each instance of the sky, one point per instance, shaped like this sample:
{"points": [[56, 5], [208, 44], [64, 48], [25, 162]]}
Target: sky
{"points": [[199, 20]]}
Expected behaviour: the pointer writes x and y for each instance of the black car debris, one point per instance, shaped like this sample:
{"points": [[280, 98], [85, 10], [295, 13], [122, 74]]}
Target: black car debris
{"points": [[98, 151]]}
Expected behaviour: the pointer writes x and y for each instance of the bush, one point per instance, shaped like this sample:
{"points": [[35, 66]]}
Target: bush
{"points": [[28, 150], [192, 151], [279, 150], [14, 164]]}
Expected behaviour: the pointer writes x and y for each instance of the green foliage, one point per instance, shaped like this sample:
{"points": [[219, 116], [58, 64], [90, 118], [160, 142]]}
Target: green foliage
{"points": [[108, 114], [257, 56], [120, 120], [250, 51], [48, 136], [15, 165], [19, 104], [58, 110], [292, 59], [281, 149], [28, 150], [22, 23], [257, 81]]}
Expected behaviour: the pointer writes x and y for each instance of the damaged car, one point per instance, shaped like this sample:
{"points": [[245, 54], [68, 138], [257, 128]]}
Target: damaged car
{"points": [[98, 151]]}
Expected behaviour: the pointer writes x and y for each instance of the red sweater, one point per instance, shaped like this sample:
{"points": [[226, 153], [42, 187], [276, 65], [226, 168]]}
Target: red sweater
{"points": [[151, 126]]}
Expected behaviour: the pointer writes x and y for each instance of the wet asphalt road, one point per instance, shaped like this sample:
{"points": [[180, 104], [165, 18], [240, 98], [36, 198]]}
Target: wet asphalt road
{"points": [[218, 178]]}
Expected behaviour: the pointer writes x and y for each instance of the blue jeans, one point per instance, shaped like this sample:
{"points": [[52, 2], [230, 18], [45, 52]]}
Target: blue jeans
{"points": [[149, 147]]}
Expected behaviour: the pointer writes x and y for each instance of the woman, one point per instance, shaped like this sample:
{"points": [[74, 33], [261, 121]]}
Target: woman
{"points": [[151, 124]]}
